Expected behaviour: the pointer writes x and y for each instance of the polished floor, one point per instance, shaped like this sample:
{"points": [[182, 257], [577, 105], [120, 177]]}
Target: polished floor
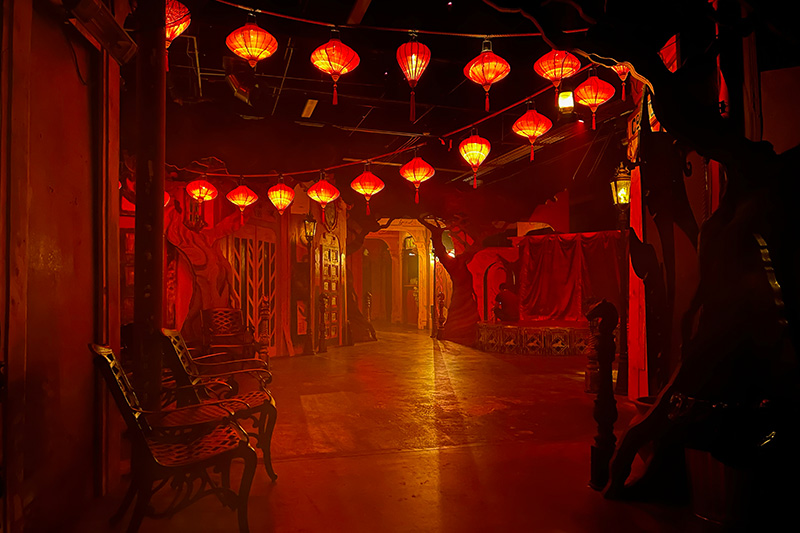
{"points": [[409, 434]]}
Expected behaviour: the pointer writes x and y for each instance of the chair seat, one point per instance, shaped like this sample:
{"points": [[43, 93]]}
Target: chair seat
{"points": [[207, 446], [254, 399]]}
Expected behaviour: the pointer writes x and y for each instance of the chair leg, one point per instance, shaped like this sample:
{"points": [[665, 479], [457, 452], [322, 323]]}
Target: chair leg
{"points": [[250, 461], [124, 505], [268, 418], [142, 501]]}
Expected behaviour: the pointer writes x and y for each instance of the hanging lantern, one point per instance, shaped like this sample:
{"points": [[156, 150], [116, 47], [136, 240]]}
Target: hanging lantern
{"points": [[532, 125], [335, 58], [474, 150], [622, 71], [416, 171], [177, 20], [323, 192], [367, 184], [252, 43], [201, 191], [242, 196], [555, 66], [486, 69], [281, 196], [167, 198], [413, 58], [593, 93]]}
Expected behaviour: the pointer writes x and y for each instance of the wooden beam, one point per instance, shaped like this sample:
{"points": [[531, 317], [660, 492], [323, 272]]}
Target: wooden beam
{"points": [[357, 13]]}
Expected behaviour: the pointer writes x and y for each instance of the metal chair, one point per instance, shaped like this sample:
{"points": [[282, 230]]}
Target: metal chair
{"points": [[224, 331], [178, 448], [257, 405]]}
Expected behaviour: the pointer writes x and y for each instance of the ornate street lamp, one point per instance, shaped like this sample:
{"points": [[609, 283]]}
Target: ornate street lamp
{"points": [[621, 189], [309, 230]]}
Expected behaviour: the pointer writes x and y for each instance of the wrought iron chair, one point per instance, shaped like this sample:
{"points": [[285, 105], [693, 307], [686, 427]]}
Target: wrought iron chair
{"points": [[256, 405], [224, 331], [178, 448]]}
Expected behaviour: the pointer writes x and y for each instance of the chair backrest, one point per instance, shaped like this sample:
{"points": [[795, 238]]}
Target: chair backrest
{"points": [[223, 321], [120, 387], [178, 357]]}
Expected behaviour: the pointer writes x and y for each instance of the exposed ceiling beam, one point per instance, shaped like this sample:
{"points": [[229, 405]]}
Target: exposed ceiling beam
{"points": [[358, 11]]}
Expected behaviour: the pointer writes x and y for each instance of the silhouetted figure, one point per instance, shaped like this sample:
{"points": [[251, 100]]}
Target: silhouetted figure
{"points": [[506, 307]]}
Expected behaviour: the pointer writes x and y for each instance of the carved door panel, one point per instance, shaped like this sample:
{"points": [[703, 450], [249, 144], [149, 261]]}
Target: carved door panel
{"points": [[331, 277], [252, 255]]}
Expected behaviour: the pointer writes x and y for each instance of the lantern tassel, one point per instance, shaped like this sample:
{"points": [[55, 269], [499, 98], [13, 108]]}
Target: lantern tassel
{"points": [[416, 196], [413, 115], [623, 91], [531, 149], [241, 212], [474, 179], [323, 215], [594, 126], [335, 95], [487, 101], [368, 207]]}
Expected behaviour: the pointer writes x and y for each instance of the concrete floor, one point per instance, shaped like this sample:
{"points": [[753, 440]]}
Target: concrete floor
{"points": [[408, 434]]}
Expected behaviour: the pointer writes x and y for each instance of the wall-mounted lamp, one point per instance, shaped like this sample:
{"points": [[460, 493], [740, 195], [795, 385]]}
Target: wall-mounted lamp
{"points": [[565, 102], [309, 228], [621, 187]]}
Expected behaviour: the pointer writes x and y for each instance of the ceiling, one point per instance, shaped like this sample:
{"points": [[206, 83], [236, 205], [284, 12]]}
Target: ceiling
{"points": [[267, 133]]}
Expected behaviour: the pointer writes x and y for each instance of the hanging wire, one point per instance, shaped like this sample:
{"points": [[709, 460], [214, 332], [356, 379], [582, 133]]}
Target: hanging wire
{"points": [[398, 30]]}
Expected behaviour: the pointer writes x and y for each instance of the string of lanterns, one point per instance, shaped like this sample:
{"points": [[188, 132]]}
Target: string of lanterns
{"points": [[335, 58]]}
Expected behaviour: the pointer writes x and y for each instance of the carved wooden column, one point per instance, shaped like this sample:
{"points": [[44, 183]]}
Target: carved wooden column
{"points": [[151, 100], [322, 344], [605, 406]]}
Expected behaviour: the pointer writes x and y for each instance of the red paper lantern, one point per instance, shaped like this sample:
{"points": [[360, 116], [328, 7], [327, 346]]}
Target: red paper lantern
{"points": [[474, 150], [593, 93], [622, 71], [242, 196], [323, 192], [413, 58], [335, 58], [177, 20], [532, 125], [486, 69], [555, 66], [367, 184], [201, 190], [281, 196], [251, 43], [416, 171]]}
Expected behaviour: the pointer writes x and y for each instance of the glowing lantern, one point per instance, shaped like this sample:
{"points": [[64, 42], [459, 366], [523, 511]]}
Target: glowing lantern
{"points": [[621, 187], [367, 184], [251, 43], [532, 125], [622, 71], [416, 171], [593, 93], [474, 150], [177, 20], [281, 196], [201, 190], [242, 196], [323, 192], [335, 58], [557, 65], [413, 58], [565, 102], [486, 69], [167, 198]]}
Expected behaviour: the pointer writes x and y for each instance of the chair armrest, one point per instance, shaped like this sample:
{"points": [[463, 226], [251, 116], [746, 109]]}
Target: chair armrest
{"points": [[263, 376], [238, 364], [210, 358]]}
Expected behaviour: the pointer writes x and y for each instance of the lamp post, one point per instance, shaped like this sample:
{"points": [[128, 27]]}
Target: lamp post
{"points": [[309, 230], [621, 189]]}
